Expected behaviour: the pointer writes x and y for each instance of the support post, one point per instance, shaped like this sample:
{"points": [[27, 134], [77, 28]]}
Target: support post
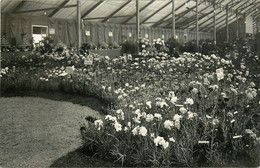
{"points": [[245, 24], [257, 24], [137, 24], [173, 20], [227, 28], [237, 32], [214, 21], [197, 25], [78, 27], [0, 47]]}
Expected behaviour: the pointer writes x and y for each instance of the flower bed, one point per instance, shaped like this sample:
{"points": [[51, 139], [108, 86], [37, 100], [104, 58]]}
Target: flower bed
{"points": [[189, 111]]}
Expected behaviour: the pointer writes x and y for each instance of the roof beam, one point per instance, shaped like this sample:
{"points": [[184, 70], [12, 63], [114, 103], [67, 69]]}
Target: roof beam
{"points": [[92, 8], [18, 6], [178, 18], [162, 19], [56, 10], [170, 19], [45, 9], [222, 19], [192, 21], [230, 21], [182, 14], [222, 7], [248, 5], [94, 18], [210, 18], [253, 11], [112, 14], [143, 8], [204, 15], [231, 6], [221, 26], [155, 12], [234, 17]]}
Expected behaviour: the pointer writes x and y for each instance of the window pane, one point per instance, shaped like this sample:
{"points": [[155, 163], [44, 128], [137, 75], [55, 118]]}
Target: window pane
{"points": [[36, 30], [44, 30]]}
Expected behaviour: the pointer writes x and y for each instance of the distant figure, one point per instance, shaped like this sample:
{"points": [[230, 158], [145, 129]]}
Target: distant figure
{"points": [[175, 53]]}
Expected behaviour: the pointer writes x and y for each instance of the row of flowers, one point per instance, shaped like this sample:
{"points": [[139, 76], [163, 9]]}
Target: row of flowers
{"points": [[188, 111]]}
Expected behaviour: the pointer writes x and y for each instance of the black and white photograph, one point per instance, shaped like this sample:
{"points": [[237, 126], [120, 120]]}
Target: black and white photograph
{"points": [[129, 83]]}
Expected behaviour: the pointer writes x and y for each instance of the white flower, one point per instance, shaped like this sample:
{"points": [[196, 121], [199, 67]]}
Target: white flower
{"points": [[137, 111], [152, 135], [117, 126], [137, 120], [149, 117], [171, 94], [157, 140], [120, 97], [120, 114], [119, 111], [168, 124], [98, 124], [189, 101], [111, 118], [165, 144], [109, 88], [252, 84], [159, 116], [126, 129], [191, 115], [177, 124], [177, 117], [142, 131], [172, 139], [195, 90], [183, 110], [162, 104], [174, 99], [127, 84], [160, 141], [135, 130], [149, 104], [215, 121]]}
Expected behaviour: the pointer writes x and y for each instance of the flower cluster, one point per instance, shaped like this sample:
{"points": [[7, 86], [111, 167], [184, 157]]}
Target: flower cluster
{"points": [[162, 108]]}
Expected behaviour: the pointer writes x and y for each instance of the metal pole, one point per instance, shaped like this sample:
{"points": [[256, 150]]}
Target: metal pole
{"points": [[197, 25], [245, 24], [257, 24], [214, 20], [79, 26], [227, 28], [137, 24], [237, 25], [173, 20], [0, 45]]}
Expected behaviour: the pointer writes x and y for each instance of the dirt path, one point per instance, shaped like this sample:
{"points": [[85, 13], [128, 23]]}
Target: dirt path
{"points": [[34, 132]]}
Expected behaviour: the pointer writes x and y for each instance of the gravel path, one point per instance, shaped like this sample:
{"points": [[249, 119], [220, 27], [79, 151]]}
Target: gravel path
{"points": [[34, 132]]}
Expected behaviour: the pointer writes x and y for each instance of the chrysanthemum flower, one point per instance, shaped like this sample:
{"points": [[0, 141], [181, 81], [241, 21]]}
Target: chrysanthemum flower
{"points": [[158, 116], [168, 124], [142, 131], [149, 118], [172, 139], [98, 124], [189, 101], [117, 126]]}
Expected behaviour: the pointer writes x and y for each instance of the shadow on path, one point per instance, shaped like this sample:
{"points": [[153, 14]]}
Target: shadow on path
{"points": [[78, 159]]}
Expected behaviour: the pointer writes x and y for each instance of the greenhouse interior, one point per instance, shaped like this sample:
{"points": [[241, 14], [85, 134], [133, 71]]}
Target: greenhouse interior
{"points": [[130, 83]]}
